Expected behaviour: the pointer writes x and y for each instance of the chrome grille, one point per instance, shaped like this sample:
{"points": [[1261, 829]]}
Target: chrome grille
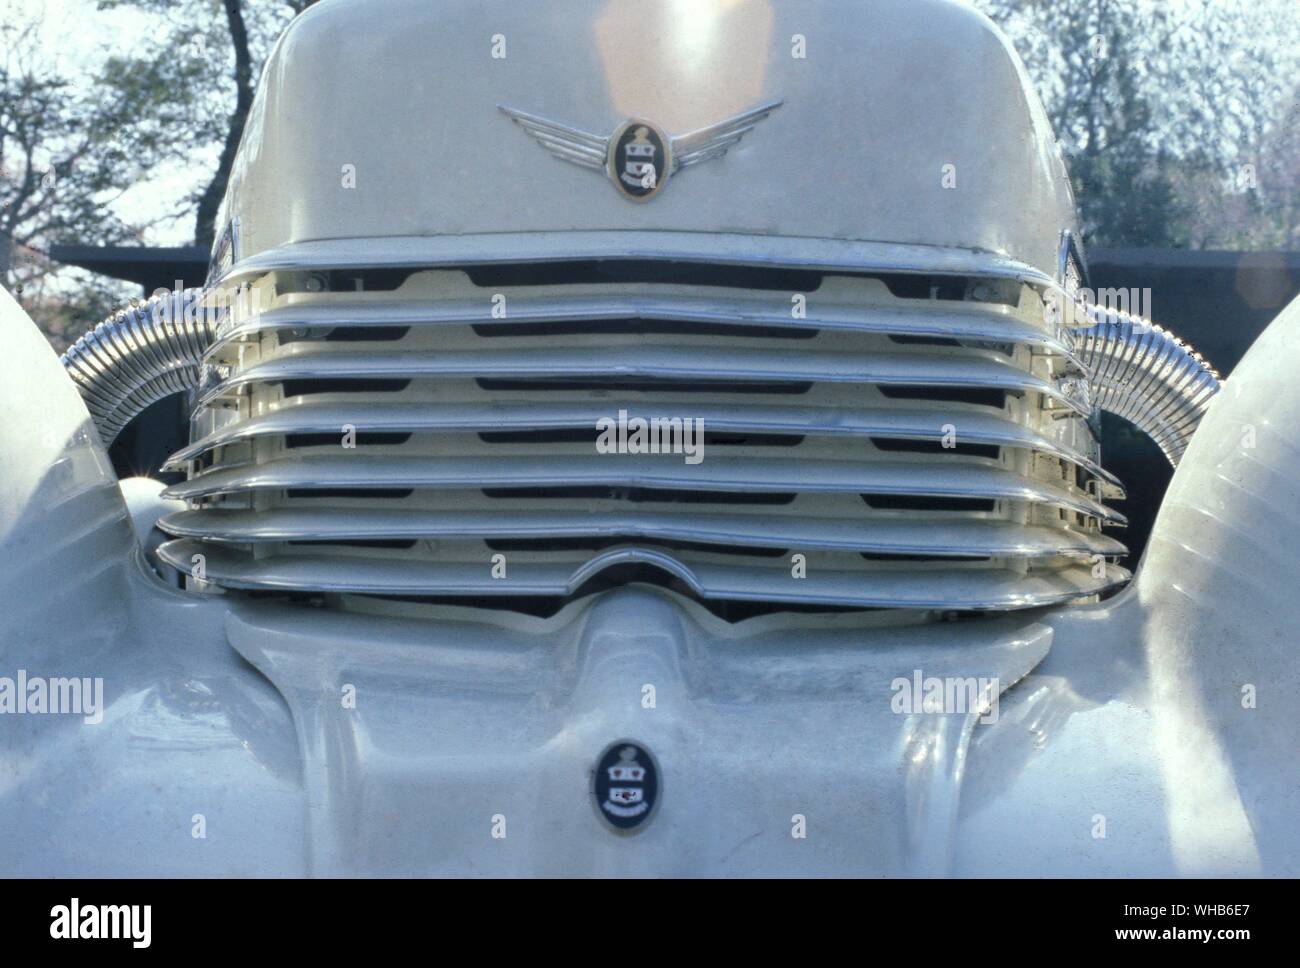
{"points": [[930, 453]]}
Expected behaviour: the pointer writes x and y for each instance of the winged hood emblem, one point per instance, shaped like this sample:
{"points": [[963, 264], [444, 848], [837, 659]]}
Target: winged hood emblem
{"points": [[639, 156]]}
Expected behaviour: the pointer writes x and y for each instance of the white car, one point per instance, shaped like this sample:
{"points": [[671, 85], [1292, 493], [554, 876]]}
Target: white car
{"points": [[628, 441]]}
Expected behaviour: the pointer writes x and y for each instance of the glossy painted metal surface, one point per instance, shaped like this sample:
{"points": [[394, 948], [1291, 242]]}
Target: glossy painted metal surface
{"points": [[511, 715], [1167, 712], [440, 159], [351, 735], [183, 728]]}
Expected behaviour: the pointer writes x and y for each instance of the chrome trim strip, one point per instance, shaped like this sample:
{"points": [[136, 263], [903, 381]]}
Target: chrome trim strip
{"points": [[904, 536], [721, 248], [971, 478], [372, 417], [740, 366], [983, 324], [947, 588]]}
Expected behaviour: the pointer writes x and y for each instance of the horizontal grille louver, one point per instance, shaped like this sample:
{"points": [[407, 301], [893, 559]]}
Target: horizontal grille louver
{"points": [[744, 366], [974, 589], [309, 418], [736, 475], [873, 451], [989, 324], [926, 536]]}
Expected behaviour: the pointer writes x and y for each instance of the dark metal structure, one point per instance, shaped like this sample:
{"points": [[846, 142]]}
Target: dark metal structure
{"points": [[149, 267]]}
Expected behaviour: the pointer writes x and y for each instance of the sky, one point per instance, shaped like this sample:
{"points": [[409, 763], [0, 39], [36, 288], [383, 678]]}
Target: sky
{"points": [[77, 37]]}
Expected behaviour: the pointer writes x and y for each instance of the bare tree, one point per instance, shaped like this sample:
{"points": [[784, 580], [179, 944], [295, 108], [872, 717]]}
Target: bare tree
{"points": [[218, 48], [1241, 112], [1091, 61], [67, 152], [210, 200], [1172, 116]]}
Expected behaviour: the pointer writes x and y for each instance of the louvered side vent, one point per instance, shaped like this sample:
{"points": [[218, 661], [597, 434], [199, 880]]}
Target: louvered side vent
{"points": [[896, 442]]}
